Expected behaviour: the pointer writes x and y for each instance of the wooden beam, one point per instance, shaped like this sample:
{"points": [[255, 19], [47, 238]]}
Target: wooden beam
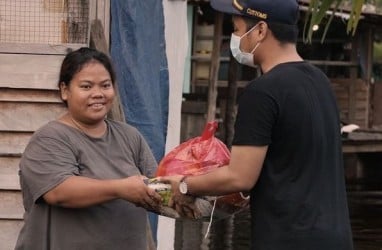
{"points": [[9, 182], [11, 205], [28, 117], [13, 143], [30, 71], [214, 67], [99, 42], [9, 233], [231, 101], [29, 95], [39, 49]]}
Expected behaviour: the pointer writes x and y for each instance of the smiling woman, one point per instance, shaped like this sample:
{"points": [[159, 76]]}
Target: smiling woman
{"points": [[89, 97], [82, 175]]}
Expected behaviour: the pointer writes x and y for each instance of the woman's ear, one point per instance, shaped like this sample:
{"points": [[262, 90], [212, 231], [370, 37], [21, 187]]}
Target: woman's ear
{"points": [[64, 91]]}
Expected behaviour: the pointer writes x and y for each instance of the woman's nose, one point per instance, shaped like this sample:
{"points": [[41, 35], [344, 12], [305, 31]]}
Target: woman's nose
{"points": [[97, 92]]}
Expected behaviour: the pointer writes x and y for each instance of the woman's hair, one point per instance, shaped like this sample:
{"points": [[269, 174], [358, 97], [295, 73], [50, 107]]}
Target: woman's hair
{"points": [[75, 60], [284, 33]]}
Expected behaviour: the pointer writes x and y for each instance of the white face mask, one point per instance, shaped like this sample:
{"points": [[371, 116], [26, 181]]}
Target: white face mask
{"points": [[242, 57]]}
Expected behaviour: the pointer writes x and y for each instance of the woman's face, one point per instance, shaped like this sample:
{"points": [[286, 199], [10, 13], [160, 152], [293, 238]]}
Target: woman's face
{"points": [[90, 93]]}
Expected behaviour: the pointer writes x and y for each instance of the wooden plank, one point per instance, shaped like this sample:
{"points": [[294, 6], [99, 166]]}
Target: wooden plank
{"points": [[214, 67], [11, 205], [27, 116], [13, 144], [9, 182], [29, 95], [9, 165], [9, 233], [29, 71], [194, 107], [362, 148], [42, 49], [377, 104], [353, 100], [9, 168], [103, 14]]}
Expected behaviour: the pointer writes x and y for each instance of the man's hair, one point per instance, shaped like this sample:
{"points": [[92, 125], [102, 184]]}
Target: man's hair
{"points": [[284, 33]]}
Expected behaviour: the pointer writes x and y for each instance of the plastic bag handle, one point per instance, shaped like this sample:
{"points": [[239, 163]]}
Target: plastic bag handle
{"points": [[209, 130]]}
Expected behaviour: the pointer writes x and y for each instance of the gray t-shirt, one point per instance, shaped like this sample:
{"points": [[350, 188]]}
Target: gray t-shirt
{"points": [[56, 152]]}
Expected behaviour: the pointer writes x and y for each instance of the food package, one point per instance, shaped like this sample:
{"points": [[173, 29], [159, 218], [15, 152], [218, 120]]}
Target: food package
{"points": [[197, 156], [203, 205]]}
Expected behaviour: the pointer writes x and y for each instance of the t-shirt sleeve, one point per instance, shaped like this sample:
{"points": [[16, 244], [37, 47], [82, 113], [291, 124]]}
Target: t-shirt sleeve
{"points": [[257, 114], [45, 163], [143, 156]]}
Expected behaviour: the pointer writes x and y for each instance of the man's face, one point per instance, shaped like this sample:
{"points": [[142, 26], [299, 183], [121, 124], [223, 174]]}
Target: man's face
{"points": [[248, 42]]}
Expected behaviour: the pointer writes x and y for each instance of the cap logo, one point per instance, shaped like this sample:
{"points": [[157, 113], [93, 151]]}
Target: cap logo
{"points": [[248, 11]]}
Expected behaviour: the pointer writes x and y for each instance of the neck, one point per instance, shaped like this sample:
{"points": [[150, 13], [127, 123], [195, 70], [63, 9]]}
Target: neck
{"points": [[279, 54], [94, 130]]}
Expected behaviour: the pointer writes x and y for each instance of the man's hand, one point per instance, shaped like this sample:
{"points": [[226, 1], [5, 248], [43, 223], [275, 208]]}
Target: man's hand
{"points": [[183, 204]]}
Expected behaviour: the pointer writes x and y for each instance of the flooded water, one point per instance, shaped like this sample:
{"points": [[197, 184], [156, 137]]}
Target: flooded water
{"points": [[365, 206], [234, 233]]}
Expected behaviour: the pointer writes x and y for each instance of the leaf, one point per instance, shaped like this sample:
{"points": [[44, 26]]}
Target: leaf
{"points": [[330, 21], [317, 10], [355, 15]]}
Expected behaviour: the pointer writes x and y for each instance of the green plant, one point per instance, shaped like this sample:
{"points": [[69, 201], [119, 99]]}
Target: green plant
{"points": [[318, 9]]}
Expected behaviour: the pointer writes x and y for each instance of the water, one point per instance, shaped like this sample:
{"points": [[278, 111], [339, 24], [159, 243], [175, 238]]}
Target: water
{"points": [[232, 233], [365, 207]]}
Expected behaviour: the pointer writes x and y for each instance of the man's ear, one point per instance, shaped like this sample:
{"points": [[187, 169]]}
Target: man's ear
{"points": [[263, 30]]}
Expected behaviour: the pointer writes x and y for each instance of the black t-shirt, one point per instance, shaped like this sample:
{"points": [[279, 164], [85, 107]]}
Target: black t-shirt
{"points": [[299, 201]]}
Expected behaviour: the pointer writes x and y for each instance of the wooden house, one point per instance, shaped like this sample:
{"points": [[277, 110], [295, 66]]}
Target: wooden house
{"points": [[351, 62], [34, 37]]}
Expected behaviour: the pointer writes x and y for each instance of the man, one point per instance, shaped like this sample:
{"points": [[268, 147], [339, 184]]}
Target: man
{"points": [[287, 147]]}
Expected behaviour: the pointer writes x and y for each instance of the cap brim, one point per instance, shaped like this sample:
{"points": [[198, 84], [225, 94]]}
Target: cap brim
{"points": [[224, 6]]}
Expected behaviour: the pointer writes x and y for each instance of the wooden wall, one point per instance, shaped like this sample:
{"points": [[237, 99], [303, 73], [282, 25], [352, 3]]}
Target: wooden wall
{"points": [[377, 106], [353, 98], [28, 99]]}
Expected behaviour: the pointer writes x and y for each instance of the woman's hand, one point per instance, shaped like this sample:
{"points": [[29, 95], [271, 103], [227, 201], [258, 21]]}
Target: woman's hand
{"points": [[136, 191]]}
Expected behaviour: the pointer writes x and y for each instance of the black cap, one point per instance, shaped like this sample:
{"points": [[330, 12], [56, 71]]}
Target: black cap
{"points": [[280, 11]]}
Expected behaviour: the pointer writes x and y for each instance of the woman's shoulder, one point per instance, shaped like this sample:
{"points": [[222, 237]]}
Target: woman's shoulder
{"points": [[54, 129]]}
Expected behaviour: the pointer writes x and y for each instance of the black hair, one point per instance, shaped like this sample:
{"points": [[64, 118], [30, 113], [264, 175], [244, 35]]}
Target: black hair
{"points": [[284, 33], [75, 60]]}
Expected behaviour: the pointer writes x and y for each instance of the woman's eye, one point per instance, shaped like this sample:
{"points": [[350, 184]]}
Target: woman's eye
{"points": [[85, 86], [107, 85]]}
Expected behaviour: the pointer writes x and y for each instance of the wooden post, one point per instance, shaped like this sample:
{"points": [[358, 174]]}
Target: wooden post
{"points": [[98, 41], [75, 23], [231, 101], [214, 67], [353, 75], [369, 73]]}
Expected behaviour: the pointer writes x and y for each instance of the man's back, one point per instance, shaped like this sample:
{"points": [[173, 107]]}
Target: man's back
{"points": [[299, 201]]}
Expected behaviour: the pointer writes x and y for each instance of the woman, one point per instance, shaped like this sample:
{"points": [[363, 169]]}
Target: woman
{"points": [[82, 175]]}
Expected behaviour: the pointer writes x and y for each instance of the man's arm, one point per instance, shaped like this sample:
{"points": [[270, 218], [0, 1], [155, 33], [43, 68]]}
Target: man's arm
{"points": [[240, 175]]}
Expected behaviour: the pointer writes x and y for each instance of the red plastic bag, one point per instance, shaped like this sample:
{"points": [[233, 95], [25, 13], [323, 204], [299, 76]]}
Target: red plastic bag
{"points": [[196, 156], [200, 155]]}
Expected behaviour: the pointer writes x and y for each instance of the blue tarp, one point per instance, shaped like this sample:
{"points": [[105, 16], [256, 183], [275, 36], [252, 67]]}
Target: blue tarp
{"points": [[139, 56]]}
